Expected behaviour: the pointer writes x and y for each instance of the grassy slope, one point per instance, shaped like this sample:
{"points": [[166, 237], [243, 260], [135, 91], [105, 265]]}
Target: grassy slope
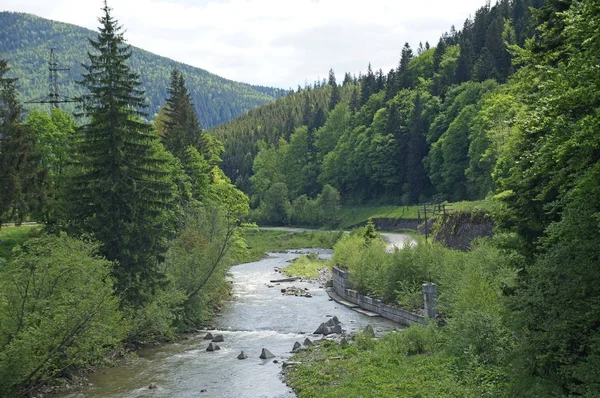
{"points": [[351, 216]]}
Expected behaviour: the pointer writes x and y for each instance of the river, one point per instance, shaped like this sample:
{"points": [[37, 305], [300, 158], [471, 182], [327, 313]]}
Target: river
{"points": [[258, 316]]}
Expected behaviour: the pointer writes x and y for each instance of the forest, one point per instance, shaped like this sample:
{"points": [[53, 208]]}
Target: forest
{"points": [[142, 219], [26, 40], [434, 128]]}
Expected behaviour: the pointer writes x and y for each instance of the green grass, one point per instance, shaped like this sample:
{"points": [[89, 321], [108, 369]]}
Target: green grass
{"points": [[12, 236], [260, 242], [306, 266], [390, 367], [351, 216]]}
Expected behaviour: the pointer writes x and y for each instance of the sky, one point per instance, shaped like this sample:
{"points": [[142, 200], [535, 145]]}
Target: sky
{"points": [[279, 43]]}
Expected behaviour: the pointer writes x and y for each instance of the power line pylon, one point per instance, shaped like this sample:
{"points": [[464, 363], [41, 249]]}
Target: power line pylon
{"points": [[53, 96]]}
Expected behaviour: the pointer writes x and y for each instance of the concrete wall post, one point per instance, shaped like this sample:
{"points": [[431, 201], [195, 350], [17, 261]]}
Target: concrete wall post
{"points": [[430, 299]]}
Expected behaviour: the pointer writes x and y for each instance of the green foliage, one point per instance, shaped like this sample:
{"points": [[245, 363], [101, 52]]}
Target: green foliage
{"points": [[362, 257], [24, 42], [550, 189], [56, 134], [58, 311], [306, 266]]}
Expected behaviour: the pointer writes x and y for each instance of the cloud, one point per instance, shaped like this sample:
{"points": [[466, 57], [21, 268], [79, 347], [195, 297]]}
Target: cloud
{"points": [[269, 42]]}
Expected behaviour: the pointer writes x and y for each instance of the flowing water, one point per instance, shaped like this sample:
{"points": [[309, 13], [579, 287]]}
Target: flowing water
{"points": [[258, 316]]}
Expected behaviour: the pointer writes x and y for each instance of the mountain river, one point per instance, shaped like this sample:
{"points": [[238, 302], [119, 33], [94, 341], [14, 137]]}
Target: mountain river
{"points": [[257, 316]]}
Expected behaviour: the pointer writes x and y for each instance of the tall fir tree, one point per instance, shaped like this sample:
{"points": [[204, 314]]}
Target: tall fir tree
{"points": [[335, 96], [121, 192], [181, 127], [403, 76], [368, 85], [21, 177]]}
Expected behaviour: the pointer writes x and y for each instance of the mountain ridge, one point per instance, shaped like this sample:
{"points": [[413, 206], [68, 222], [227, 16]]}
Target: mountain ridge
{"points": [[26, 40]]}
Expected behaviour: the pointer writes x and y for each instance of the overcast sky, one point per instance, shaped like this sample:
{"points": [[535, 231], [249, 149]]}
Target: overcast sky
{"points": [[279, 43]]}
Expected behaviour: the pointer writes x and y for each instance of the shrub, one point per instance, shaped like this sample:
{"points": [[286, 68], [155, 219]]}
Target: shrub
{"points": [[57, 311]]}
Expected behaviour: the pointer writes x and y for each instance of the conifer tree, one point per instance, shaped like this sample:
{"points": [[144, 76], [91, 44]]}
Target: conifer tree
{"points": [[438, 55], [182, 127], [355, 100], [122, 190], [368, 85], [21, 177], [403, 77], [335, 97]]}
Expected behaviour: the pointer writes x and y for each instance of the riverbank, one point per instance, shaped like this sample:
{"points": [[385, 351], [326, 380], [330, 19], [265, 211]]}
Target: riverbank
{"points": [[469, 357]]}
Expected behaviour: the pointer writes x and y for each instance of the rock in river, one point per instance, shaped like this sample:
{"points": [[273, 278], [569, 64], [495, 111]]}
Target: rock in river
{"points": [[218, 339], [212, 347], [265, 354]]}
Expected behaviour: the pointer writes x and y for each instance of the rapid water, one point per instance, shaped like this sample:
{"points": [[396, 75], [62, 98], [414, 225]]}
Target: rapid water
{"points": [[258, 316]]}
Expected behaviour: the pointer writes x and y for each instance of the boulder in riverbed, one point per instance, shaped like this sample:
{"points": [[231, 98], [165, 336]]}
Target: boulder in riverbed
{"points": [[209, 336], [296, 346], [152, 386], [218, 339], [320, 329], [265, 354], [242, 355], [213, 347], [307, 342]]}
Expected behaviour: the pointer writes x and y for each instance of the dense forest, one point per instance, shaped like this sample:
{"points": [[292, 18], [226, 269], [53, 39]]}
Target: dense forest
{"points": [[434, 127], [26, 40]]}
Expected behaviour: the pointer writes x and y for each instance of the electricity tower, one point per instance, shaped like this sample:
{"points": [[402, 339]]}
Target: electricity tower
{"points": [[53, 96]]}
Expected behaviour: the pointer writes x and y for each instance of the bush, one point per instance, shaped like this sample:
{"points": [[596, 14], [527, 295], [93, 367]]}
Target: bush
{"points": [[58, 311], [363, 259]]}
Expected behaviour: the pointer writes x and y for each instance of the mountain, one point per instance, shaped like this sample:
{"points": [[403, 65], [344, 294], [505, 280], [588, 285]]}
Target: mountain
{"points": [[26, 40]]}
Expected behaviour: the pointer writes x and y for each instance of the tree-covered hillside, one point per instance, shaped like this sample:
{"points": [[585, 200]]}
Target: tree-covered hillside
{"points": [[433, 127], [26, 40]]}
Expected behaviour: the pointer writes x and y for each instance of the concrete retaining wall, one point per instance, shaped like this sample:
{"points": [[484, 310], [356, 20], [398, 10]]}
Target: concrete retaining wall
{"points": [[341, 286]]}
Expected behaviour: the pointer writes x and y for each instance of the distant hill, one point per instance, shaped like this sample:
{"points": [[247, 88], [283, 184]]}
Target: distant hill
{"points": [[26, 40]]}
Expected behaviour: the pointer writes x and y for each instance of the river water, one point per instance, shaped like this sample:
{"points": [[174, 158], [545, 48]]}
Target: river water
{"points": [[258, 316]]}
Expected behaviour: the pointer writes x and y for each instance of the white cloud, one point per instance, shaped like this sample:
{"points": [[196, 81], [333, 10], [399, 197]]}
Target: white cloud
{"points": [[269, 42]]}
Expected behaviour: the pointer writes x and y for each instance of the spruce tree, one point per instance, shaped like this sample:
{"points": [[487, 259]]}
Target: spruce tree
{"points": [[182, 127], [21, 177], [403, 76], [121, 191], [335, 97], [368, 85], [438, 55]]}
